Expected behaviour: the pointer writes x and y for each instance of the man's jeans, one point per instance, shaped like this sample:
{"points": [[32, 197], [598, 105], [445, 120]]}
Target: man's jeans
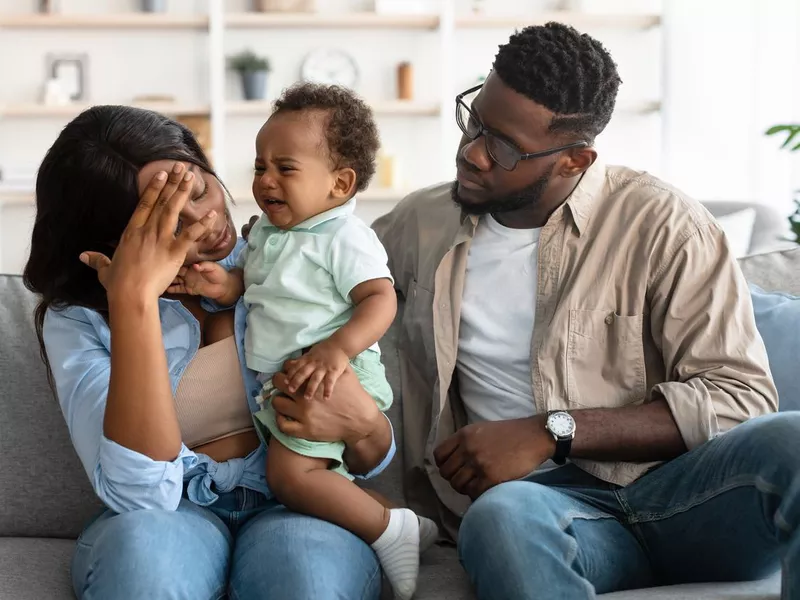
{"points": [[244, 545], [726, 511]]}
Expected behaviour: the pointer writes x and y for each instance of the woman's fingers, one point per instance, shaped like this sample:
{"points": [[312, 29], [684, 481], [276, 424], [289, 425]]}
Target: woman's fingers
{"points": [[95, 260], [148, 200], [170, 213], [195, 231]]}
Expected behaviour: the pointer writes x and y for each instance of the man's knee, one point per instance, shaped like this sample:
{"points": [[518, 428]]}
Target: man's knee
{"points": [[494, 519], [775, 437]]}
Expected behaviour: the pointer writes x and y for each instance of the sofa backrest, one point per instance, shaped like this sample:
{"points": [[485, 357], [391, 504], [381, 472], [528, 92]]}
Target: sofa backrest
{"points": [[44, 490]]}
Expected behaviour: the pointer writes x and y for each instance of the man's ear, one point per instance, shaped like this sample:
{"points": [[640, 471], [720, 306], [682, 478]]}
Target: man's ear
{"points": [[344, 186], [577, 160]]}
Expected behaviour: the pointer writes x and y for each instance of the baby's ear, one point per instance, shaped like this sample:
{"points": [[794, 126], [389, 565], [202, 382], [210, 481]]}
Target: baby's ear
{"points": [[344, 186]]}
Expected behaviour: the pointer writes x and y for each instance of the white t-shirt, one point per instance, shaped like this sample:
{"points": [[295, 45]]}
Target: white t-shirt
{"points": [[497, 316]]}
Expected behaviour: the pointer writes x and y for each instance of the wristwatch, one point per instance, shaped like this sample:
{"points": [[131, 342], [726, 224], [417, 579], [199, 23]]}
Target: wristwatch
{"points": [[561, 426]]}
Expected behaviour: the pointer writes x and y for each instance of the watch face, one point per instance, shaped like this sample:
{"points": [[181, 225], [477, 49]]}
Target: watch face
{"points": [[561, 424], [331, 67]]}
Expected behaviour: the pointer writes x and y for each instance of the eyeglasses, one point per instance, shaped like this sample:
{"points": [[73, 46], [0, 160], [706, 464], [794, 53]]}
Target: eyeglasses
{"points": [[501, 151]]}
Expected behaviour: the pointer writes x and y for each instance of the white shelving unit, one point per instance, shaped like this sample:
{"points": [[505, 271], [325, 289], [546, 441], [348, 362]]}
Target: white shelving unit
{"points": [[355, 20], [218, 26], [107, 21]]}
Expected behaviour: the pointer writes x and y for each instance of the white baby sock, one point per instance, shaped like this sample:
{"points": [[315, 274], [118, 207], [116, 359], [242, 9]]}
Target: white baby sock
{"points": [[428, 533], [398, 552]]}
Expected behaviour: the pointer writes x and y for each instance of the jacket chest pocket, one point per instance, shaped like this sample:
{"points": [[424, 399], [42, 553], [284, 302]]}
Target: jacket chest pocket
{"points": [[605, 359]]}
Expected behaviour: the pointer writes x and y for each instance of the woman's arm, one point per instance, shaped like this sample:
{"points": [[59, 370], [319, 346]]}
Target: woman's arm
{"points": [[140, 413], [123, 479]]}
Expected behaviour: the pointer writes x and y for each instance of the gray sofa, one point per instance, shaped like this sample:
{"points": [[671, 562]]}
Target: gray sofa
{"points": [[45, 497]]}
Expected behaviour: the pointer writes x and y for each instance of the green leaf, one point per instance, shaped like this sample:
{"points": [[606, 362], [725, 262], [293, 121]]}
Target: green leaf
{"points": [[777, 129], [791, 136]]}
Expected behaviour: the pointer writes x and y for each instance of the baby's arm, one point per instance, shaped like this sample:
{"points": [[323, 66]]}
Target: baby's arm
{"points": [[211, 280], [375, 307]]}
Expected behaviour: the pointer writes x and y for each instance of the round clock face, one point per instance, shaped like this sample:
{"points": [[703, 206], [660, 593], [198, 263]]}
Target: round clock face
{"points": [[561, 424], [331, 67]]}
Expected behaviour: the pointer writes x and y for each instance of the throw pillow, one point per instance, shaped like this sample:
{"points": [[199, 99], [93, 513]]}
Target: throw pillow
{"points": [[738, 228], [778, 322]]}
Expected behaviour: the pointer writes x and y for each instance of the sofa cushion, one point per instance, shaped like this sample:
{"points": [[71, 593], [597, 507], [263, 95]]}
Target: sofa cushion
{"points": [[44, 490], [35, 568], [774, 271], [778, 321], [767, 589]]}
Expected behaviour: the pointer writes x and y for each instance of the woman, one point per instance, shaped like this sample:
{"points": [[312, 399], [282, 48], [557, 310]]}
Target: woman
{"points": [[152, 388]]}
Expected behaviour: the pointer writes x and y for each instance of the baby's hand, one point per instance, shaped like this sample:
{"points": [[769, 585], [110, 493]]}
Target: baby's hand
{"points": [[324, 363], [202, 279]]}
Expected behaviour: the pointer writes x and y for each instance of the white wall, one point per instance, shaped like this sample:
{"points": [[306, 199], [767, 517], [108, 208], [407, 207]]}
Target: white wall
{"points": [[727, 76], [732, 72]]}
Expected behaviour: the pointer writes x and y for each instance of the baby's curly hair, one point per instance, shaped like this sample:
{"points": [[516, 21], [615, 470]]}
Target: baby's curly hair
{"points": [[351, 132]]}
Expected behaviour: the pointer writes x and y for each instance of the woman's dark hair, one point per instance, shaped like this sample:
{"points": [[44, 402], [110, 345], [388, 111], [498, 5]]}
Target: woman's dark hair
{"points": [[86, 192]]}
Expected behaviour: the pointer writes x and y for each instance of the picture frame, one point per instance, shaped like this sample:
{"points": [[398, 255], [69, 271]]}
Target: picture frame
{"points": [[70, 70]]}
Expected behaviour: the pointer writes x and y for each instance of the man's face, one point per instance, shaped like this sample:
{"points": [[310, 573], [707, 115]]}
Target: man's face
{"points": [[484, 187]]}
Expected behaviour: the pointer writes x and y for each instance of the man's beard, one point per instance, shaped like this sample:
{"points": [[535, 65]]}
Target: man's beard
{"points": [[525, 198]]}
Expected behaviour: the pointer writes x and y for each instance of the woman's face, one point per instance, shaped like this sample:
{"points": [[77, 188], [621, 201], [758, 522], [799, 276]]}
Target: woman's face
{"points": [[207, 194]]}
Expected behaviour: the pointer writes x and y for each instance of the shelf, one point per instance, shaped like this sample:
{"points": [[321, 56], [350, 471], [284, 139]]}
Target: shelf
{"points": [[107, 21], [396, 108], [579, 20], [16, 197], [72, 110], [641, 107], [353, 20]]}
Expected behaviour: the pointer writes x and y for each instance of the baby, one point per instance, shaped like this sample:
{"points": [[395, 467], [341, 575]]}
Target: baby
{"points": [[319, 295]]}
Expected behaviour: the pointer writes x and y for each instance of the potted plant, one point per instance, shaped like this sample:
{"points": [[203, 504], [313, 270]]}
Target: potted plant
{"points": [[253, 70], [154, 6], [791, 143]]}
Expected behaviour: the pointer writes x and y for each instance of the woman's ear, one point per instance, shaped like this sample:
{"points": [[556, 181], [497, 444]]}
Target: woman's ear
{"points": [[344, 186]]}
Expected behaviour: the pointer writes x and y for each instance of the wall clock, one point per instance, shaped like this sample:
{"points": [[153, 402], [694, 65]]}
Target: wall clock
{"points": [[331, 67]]}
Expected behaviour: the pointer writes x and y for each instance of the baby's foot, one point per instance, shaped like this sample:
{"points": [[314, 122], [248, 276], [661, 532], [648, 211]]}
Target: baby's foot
{"points": [[398, 552], [428, 533]]}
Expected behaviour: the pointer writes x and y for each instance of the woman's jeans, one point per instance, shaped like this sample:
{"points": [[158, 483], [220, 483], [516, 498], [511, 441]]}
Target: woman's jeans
{"points": [[726, 511], [244, 545]]}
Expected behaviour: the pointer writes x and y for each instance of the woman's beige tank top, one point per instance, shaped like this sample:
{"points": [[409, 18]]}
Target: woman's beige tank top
{"points": [[211, 401]]}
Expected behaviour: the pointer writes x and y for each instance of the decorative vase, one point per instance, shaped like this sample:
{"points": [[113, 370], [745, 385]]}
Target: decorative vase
{"points": [[254, 85], [154, 6]]}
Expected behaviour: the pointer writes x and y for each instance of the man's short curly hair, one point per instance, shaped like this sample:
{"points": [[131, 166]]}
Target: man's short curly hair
{"points": [[350, 128], [567, 72]]}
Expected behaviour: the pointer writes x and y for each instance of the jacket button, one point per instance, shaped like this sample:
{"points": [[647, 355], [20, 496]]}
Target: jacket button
{"points": [[609, 319]]}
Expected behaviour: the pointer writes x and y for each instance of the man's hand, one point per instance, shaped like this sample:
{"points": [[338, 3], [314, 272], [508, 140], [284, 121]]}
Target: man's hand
{"points": [[483, 455], [248, 226], [350, 415], [323, 364]]}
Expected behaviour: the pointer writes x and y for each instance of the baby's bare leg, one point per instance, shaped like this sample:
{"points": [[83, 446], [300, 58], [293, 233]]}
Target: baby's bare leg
{"points": [[306, 485]]}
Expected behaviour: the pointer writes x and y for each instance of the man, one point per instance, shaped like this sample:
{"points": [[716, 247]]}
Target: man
{"points": [[561, 312]]}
